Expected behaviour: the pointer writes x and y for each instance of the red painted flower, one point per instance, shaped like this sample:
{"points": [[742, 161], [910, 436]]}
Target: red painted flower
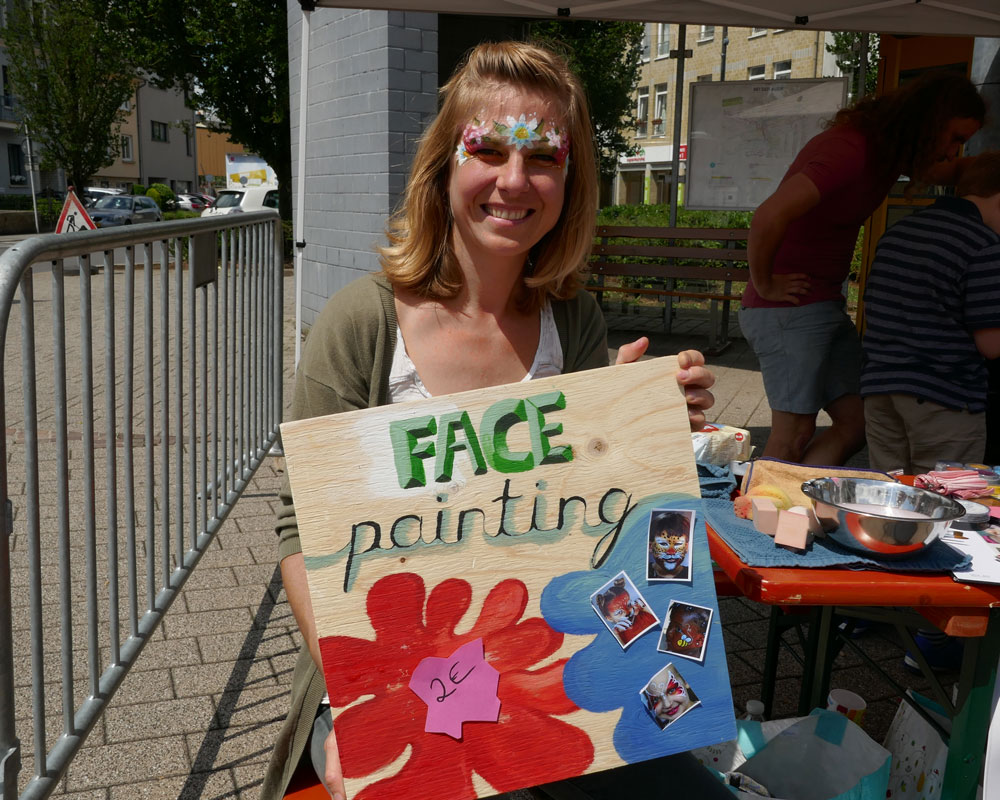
{"points": [[527, 746]]}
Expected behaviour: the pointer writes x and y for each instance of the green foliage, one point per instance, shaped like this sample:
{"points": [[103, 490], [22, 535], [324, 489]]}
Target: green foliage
{"points": [[231, 57], [48, 207], [659, 216], [180, 214], [163, 195], [846, 48], [137, 188], [70, 73], [606, 57]]}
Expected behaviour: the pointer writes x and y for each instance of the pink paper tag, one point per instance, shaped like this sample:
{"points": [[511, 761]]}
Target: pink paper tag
{"points": [[457, 689]]}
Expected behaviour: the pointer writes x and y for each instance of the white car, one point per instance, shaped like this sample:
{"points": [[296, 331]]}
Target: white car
{"points": [[236, 201]]}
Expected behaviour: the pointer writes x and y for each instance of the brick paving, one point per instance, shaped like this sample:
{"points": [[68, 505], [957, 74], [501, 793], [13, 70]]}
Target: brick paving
{"points": [[198, 714]]}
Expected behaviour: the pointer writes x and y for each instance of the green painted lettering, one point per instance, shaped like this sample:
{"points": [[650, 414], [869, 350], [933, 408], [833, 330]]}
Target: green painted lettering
{"points": [[543, 450], [498, 419], [449, 443], [408, 451]]}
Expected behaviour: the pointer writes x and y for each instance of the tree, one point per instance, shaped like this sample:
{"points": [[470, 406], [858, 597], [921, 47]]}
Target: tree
{"points": [[71, 76], [231, 57], [846, 48], [607, 57]]}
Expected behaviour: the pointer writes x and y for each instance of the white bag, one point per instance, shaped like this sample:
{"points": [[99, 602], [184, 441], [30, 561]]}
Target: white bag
{"points": [[918, 752]]}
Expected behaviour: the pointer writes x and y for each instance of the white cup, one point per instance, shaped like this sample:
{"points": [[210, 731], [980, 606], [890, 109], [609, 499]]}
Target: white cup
{"points": [[851, 705]]}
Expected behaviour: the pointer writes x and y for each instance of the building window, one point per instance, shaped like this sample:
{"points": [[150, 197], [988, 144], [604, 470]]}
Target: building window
{"points": [[757, 32], [704, 78], [7, 100], [662, 40], [159, 132], [645, 41], [756, 73], [660, 111], [126, 106], [782, 70], [15, 163], [187, 142], [642, 113], [706, 33], [127, 148]]}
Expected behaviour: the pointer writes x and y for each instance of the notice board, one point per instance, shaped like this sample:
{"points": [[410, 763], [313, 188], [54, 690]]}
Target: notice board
{"points": [[512, 585], [743, 135]]}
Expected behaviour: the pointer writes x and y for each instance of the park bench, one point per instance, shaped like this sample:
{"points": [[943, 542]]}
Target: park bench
{"points": [[674, 262]]}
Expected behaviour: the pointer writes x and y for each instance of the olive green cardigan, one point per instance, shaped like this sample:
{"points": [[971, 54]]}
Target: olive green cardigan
{"points": [[344, 367]]}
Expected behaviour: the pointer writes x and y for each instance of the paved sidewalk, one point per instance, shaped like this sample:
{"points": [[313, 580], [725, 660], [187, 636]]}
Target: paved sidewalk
{"points": [[199, 713]]}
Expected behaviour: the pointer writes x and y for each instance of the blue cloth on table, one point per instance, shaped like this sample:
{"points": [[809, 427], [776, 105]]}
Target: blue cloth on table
{"points": [[757, 550], [715, 481]]}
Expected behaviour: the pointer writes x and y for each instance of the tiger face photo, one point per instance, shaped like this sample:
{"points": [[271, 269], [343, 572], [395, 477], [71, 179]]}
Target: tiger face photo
{"points": [[669, 550]]}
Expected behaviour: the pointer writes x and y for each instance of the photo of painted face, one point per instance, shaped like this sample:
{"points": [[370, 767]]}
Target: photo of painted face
{"points": [[668, 697], [685, 633], [669, 551], [623, 610]]}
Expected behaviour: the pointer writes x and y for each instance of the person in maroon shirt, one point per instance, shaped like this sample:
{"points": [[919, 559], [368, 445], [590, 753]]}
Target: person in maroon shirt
{"points": [[800, 247]]}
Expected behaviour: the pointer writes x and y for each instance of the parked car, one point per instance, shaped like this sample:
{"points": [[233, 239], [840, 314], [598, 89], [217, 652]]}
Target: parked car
{"points": [[235, 201], [191, 202], [125, 209], [91, 194]]}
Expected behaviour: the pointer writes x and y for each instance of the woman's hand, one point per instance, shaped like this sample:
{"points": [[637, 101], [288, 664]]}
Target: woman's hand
{"points": [[632, 351], [334, 778], [695, 379]]}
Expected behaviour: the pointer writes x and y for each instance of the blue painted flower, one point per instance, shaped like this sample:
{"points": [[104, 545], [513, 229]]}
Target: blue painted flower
{"points": [[521, 132], [601, 677]]}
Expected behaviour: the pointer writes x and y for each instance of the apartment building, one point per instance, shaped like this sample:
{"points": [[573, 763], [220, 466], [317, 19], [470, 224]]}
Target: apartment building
{"points": [[743, 54]]}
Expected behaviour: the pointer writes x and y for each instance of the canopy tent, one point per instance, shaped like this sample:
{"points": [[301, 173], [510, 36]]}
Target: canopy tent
{"points": [[930, 17], [979, 18]]}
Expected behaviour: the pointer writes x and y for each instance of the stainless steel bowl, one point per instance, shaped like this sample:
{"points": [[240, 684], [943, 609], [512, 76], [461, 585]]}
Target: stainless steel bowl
{"points": [[880, 518]]}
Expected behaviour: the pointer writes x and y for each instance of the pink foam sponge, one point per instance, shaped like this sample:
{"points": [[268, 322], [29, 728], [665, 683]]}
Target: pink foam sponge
{"points": [[792, 531], [765, 515], [815, 525]]}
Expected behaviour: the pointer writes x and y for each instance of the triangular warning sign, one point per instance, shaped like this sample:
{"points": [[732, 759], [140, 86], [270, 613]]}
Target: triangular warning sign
{"points": [[74, 216]]}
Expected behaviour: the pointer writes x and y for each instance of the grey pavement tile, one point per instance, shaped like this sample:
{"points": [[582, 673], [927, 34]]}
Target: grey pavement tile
{"points": [[741, 672], [248, 781], [203, 623], [252, 524], [257, 573], [208, 679], [127, 763], [262, 643], [226, 597], [144, 721], [229, 557], [738, 609], [266, 553], [145, 687], [92, 794], [251, 706], [206, 577], [202, 786], [235, 746], [257, 507], [260, 537], [168, 653]]}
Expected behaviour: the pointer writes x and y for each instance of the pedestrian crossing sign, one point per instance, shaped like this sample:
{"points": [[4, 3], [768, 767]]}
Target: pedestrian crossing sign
{"points": [[74, 216]]}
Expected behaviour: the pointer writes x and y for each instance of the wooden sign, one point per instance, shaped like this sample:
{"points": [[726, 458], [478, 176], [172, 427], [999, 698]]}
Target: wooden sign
{"points": [[511, 585]]}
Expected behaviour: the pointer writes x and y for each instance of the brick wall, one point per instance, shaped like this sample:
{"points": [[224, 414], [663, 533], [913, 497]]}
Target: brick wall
{"points": [[372, 90]]}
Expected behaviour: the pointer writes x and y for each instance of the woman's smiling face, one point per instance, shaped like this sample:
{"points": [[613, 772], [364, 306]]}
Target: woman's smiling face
{"points": [[508, 179]]}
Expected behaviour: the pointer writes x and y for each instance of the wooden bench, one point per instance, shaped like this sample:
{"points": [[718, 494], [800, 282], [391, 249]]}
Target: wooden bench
{"points": [[625, 252]]}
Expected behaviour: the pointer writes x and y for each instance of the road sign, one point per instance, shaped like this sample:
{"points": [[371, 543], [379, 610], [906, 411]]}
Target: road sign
{"points": [[74, 216]]}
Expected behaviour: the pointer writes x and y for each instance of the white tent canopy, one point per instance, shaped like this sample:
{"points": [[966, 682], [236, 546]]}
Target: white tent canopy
{"points": [[929, 17]]}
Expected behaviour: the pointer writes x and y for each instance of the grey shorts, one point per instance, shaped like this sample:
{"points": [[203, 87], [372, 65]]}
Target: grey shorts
{"points": [[809, 355]]}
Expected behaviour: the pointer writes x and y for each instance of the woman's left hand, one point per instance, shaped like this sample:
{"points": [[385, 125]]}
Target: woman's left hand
{"points": [[694, 378]]}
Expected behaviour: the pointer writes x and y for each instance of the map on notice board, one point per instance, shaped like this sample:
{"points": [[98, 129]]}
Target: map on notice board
{"points": [[744, 135], [511, 586]]}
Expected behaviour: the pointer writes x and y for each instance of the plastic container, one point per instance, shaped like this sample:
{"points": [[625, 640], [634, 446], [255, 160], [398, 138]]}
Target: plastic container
{"points": [[755, 711]]}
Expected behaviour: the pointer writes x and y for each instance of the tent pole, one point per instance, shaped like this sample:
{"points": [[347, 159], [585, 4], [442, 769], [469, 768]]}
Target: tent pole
{"points": [[300, 190], [675, 164]]}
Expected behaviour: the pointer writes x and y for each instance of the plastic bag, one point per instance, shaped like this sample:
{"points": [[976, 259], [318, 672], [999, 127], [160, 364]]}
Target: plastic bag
{"points": [[823, 756], [719, 444], [918, 752]]}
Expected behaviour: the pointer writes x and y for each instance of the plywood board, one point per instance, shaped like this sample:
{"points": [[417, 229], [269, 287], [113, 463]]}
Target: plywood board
{"points": [[505, 516]]}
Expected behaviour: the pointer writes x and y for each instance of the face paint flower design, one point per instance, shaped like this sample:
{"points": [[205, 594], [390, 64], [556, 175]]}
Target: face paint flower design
{"points": [[521, 132]]}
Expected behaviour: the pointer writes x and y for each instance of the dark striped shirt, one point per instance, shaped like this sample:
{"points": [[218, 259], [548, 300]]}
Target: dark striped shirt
{"points": [[934, 281]]}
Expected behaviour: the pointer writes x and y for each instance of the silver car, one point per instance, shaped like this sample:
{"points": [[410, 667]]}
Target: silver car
{"points": [[124, 209]]}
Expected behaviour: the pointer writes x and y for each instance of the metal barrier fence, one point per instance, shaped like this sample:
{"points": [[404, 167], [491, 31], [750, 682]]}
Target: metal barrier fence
{"points": [[181, 402]]}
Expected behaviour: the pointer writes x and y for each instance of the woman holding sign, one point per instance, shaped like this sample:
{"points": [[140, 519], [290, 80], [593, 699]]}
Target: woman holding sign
{"points": [[481, 286], [801, 242]]}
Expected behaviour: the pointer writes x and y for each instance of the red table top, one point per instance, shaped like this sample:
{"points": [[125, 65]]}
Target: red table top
{"points": [[959, 609]]}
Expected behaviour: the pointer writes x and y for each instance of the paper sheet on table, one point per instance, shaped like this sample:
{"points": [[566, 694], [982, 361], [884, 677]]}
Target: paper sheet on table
{"points": [[984, 549]]}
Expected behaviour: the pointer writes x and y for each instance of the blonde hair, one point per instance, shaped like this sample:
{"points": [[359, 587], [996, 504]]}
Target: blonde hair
{"points": [[419, 257]]}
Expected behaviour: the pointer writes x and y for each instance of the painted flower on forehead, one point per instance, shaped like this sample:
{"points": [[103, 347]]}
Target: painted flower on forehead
{"points": [[475, 132], [521, 132], [560, 141], [462, 154]]}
